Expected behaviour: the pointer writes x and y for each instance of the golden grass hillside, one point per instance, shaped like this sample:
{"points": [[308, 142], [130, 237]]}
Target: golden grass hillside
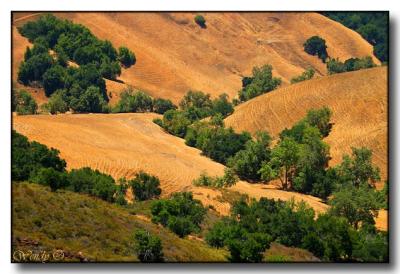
{"points": [[358, 101], [175, 55]]}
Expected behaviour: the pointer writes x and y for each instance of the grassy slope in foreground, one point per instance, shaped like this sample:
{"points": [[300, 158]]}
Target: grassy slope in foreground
{"points": [[358, 101], [101, 231], [44, 220]]}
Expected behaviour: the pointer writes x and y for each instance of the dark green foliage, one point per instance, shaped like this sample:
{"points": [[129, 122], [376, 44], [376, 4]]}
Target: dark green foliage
{"points": [[247, 162], [320, 118], [53, 79], [352, 64], [306, 75], [148, 247], [371, 246], [162, 105], [181, 213], [261, 82], [373, 27], [92, 182], [196, 99], [145, 186], [23, 103], [315, 45], [28, 157], [357, 205], [175, 122], [358, 170], [199, 19], [57, 103], [131, 101], [222, 106], [50, 177], [122, 187], [216, 141], [109, 69], [32, 70], [126, 57], [91, 100]]}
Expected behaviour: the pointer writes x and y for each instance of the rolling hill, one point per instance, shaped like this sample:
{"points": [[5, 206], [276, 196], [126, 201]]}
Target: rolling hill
{"points": [[175, 55], [358, 101]]}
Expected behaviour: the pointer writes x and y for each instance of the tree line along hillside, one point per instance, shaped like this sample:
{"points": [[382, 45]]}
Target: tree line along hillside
{"points": [[372, 26], [58, 42]]}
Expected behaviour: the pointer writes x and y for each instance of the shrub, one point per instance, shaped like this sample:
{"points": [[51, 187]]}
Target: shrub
{"points": [[162, 105], [306, 75], [145, 186], [315, 45], [92, 182], [33, 69], [148, 247], [57, 103], [28, 157], [176, 122], [228, 179], [131, 101], [91, 100], [222, 106], [261, 82], [126, 57], [51, 177], [199, 19], [216, 141], [352, 64], [23, 103], [181, 213], [247, 162], [196, 99], [53, 79]]}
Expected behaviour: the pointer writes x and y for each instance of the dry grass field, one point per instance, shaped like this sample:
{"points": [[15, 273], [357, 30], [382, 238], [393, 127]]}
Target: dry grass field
{"points": [[358, 101], [175, 55]]}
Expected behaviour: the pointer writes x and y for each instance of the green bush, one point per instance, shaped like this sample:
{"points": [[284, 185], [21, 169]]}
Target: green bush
{"points": [[222, 106], [145, 186], [126, 57], [51, 177], [162, 105], [227, 180], [261, 82], [131, 101], [181, 213], [199, 19], [335, 66], [315, 45], [306, 75], [53, 79], [57, 103], [91, 100], [23, 103], [92, 182], [32, 70], [28, 157], [247, 162], [216, 141], [148, 247]]}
